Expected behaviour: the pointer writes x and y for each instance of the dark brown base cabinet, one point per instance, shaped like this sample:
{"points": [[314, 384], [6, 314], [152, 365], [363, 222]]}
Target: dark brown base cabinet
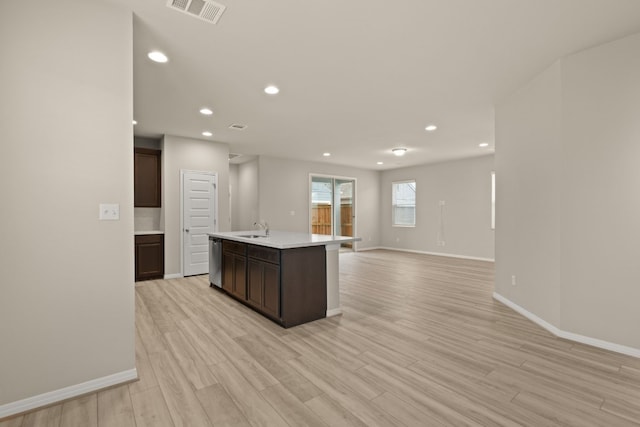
{"points": [[263, 280], [149, 257], [288, 286], [234, 268]]}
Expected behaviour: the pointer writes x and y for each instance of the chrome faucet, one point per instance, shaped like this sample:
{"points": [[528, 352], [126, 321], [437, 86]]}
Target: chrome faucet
{"points": [[262, 225]]}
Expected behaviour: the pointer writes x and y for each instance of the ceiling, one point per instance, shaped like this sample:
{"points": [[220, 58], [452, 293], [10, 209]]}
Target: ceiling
{"points": [[358, 77]]}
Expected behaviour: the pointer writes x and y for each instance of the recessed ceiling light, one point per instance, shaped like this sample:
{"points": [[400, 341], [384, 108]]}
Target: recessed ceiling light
{"points": [[399, 151], [271, 90], [484, 144], [135, 122], [431, 128], [206, 133], [380, 163], [206, 111], [157, 56], [326, 154]]}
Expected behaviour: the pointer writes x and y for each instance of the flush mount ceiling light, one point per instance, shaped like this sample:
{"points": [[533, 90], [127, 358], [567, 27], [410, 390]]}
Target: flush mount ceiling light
{"points": [[271, 90], [431, 128], [380, 163], [135, 122], [326, 154], [483, 144], [157, 56], [206, 133], [206, 111], [399, 151]]}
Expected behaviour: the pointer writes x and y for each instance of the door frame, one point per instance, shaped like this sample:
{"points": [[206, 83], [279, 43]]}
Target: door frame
{"points": [[183, 172], [333, 216]]}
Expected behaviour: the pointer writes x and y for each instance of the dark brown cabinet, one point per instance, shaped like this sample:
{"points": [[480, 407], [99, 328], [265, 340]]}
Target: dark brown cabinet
{"points": [[149, 257], [147, 178], [263, 281], [287, 285], [234, 268]]}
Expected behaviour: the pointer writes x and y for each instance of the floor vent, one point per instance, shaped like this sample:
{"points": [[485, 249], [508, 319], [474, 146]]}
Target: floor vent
{"points": [[238, 127], [203, 9]]}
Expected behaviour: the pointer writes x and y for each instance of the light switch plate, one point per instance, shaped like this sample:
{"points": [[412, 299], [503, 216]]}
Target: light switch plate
{"points": [[109, 212]]}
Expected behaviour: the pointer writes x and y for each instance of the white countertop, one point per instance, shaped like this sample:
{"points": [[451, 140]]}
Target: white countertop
{"points": [[144, 233], [283, 239]]}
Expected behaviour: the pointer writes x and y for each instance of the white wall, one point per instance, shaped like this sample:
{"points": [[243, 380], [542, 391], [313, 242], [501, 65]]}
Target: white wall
{"points": [[601, 221], [246, 196], [67, 293], [197, 155], [284, 187], [233, 196], [529, 187], [465, 187], [569, 194]]}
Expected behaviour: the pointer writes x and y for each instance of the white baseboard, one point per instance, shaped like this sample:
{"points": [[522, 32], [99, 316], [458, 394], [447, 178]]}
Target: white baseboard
{"points": [[437, 254], [372, 248], [65, 393], [594, 342], [334, 312], [173, 276]]}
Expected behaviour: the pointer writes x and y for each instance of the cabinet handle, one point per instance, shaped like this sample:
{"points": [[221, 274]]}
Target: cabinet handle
{"points": [[186, 229]]}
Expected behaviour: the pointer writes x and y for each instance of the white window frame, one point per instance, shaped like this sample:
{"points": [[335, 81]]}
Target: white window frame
{"points": [[393, 204]]}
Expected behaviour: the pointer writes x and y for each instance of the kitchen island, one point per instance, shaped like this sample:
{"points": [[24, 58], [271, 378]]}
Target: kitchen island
{"points": [[291, 278]]}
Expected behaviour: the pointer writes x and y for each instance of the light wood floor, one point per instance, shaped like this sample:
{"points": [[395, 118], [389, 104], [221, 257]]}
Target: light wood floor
{"points": [[421, 343]]}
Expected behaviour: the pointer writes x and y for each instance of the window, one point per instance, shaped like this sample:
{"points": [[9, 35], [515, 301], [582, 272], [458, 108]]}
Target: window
{"points": [[404, 203]]}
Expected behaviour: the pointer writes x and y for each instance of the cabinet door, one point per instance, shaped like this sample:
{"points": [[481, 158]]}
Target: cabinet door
{"points": [[227, 271], [255, 283], [147, 180], [240, 276], [271, 289], [149, 257]]}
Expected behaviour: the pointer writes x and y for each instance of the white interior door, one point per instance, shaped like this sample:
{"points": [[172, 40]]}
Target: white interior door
{"points": [[199, 217]]}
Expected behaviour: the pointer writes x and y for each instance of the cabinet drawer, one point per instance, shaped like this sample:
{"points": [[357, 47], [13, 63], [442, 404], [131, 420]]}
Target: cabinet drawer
{"points": [[265, 254], [235, 247], [149, 238]]}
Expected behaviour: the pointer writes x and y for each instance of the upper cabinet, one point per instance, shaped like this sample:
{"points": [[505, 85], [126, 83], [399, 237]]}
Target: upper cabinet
{"points": [[147, 179]]}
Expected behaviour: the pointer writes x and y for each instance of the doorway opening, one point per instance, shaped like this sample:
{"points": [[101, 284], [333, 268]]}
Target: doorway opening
{"points": [[332, 206]]}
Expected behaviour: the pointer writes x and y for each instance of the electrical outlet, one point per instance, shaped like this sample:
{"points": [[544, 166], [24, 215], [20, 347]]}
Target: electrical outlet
{"points": [[513, 280]]}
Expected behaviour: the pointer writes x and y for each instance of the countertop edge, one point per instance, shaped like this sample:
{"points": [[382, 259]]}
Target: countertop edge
{"points": [[266, 241]]}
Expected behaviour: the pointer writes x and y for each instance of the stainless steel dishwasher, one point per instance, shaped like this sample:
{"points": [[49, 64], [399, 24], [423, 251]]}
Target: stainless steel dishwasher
{"points": [[215, 261]]}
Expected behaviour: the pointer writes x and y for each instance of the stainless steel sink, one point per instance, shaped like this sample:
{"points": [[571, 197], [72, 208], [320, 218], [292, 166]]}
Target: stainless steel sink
{"points": [[252, 236]]}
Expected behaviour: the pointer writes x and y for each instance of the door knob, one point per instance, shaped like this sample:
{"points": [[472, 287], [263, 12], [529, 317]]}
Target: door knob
{"points": [[186, 229]]}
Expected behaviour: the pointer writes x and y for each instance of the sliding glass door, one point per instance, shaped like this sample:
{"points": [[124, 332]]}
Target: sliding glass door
{"points": [[333, 206]]}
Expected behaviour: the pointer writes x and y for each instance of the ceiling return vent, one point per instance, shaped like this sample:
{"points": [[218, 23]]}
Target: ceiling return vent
{"points": [[237, 126], [206, 10]]}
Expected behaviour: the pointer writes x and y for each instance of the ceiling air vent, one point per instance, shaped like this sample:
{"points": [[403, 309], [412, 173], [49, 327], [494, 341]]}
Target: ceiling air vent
{"points": [[203, 9], [233, 155], [238, 127]]}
